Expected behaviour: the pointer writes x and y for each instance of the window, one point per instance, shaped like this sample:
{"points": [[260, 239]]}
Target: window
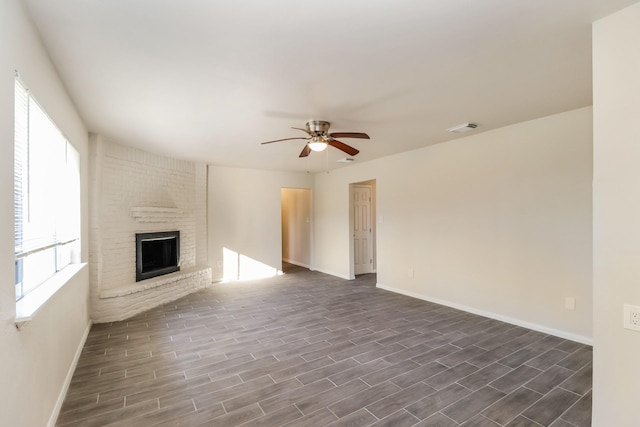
{"points": [[46, 196]]}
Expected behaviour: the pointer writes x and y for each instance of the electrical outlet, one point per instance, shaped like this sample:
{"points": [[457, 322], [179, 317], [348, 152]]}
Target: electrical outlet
{"points": [[631, 317], [635, 318]]}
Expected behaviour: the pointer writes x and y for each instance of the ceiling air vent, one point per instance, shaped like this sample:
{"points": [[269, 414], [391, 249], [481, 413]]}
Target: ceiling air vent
{"points": [[345, 160], [464, 127]]}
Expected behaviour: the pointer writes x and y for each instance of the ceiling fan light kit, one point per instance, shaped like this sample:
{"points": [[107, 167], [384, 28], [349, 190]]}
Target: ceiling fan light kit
{"points": [[319, 138], [464, 127], [317, 144]]}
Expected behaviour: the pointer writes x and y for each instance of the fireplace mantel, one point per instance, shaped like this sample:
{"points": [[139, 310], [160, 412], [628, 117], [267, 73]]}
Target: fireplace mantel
{"points": [[156, 214]]}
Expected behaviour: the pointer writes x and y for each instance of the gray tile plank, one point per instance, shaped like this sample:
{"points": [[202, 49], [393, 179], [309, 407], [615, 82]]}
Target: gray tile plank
{"points": [[237, 417], [289, 398], [324, 399], [547, 359], [175, 396], [509, 407], [460, 356], [484, 376], [480, 421], [451, 375], [388, 373], [206, 399], [435, 354], [359, 418], [320, 417], [363, 398], [401, 418], [469, 406], [392, 403], [579, 415], [437, 420], [489, 357], [522, 421], [255, 396], [580, 382], [407, 353], [378, 353], [358, 371], [117, 415], [418, 374], [170, 414], [276, 418], [577, 359], [514, 379], [551, 406], [546, 381], [327, 371], [302, 368], [433, 403]]}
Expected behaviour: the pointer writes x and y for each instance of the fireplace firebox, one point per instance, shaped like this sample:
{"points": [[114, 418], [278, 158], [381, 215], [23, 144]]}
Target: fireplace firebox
{"points": [[157, 254]]}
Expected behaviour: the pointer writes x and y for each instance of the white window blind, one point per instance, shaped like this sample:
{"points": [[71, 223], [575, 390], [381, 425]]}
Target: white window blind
{"points": [[46, 196]]}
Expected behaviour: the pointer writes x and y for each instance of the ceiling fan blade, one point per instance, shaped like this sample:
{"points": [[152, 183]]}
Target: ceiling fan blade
{"points": [[303, 130], [284, 139], [349, 135], [305, 151], [344, 147]]}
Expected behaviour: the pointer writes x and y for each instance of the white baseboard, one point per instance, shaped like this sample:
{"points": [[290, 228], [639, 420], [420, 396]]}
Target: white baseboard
{"points": [[534, 326], [67, 381]]}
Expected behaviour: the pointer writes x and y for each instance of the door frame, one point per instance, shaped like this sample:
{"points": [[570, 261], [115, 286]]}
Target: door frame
{"points": [[310, 228], [371, 183]]}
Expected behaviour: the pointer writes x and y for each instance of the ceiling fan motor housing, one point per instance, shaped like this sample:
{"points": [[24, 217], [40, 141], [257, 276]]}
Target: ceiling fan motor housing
{"points": [[318, 127]]}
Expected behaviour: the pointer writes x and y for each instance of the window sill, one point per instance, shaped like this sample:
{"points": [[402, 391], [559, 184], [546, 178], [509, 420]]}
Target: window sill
{"points": [[31, 303]]}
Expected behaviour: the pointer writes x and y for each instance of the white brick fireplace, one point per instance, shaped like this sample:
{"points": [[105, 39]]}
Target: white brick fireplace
{"points": [[133, 192]]}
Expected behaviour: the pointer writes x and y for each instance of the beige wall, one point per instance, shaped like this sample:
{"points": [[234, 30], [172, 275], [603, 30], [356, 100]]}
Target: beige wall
{"points": [[616, 217], [296, 226], [35, 362], [244, 217], [498, 223]]}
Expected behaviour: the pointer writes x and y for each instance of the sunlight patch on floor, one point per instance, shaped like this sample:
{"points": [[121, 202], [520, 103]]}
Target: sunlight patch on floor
{"points": [[238, 267]]}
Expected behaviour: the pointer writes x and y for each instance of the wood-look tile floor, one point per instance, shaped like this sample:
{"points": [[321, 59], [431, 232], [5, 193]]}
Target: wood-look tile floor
{"points": [[307, 349]]}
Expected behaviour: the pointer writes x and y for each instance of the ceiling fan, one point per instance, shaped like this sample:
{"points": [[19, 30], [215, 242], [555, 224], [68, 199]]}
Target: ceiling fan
{"points": [[319, 138]]}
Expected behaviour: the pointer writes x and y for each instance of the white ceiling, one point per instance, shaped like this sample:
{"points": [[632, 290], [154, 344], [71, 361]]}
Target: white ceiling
{"points": [[209, 80]]}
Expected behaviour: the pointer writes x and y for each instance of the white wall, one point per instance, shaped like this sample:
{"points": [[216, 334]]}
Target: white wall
{"points": [[35, 362], [616, 217], [244, 215], [498, 222], [296, 226]]}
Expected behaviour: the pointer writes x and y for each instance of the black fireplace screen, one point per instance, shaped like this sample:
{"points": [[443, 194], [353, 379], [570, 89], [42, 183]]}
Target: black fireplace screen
{"points": [[157, 254]]}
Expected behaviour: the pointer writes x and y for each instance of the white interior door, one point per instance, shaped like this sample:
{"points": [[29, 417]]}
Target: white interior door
{"points": [[362, 229]]}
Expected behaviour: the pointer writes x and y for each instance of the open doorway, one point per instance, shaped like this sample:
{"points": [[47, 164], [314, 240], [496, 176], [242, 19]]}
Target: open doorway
{"points": [[296, 228], [362, 212]]}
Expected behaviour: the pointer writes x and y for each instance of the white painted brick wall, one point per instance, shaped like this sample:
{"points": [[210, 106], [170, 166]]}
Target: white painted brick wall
{"points": [[121, 307], [125, 178]]}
